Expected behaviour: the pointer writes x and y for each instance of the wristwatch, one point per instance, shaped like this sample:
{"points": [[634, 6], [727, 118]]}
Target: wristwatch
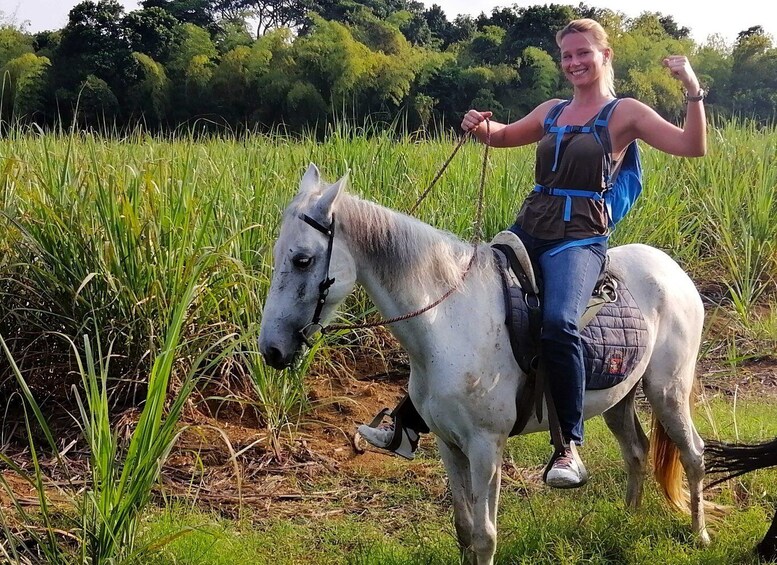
{"points": [[698, 98]]}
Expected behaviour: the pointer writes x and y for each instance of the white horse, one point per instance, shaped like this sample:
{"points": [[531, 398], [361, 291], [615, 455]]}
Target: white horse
{"points": [[464, 378]]}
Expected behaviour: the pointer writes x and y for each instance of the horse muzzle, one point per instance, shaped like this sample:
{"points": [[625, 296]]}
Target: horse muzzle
{"points": [[280, 353]]}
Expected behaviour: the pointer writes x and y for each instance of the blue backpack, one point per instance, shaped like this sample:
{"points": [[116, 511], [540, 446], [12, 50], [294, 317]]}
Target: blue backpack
{"points": [[620, 193]]}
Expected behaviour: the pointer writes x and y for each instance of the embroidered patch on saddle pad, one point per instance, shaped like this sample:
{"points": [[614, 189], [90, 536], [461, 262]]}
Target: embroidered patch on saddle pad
{"points": [[614, 341]]}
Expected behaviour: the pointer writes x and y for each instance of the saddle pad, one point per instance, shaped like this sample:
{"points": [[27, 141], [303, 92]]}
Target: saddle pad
{"points": [[614, 341]]}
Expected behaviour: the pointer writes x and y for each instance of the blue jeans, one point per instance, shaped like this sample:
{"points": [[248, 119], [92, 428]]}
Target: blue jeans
{"points": [[568, 280]]}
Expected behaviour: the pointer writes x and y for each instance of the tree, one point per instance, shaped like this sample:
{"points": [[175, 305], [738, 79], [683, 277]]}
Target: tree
{"points": [[45, 43], [274, 14], [200, 13], [189, 41], [190, 68], [97, 104], [753, 77], [335, 62], [714, 66], [536, 27], [500, 17], [484, 48], [26, 78], [540, 77], [13, 44], [151, 95], [93, 43], [150, 31], [464, 28], [230, 84]]}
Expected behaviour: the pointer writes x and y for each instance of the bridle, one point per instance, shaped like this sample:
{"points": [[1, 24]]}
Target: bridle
{"points": [[326, 283]]}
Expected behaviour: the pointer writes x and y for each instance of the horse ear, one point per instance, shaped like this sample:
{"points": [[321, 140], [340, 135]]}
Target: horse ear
{"points": [[326, 203], [311, 180]]}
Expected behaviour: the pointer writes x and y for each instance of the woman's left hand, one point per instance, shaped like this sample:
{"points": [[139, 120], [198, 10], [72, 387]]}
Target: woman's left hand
{"points": [[680, 68]]}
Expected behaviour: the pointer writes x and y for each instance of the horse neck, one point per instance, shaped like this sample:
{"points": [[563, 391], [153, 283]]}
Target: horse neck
{"points": [[403, 263]]}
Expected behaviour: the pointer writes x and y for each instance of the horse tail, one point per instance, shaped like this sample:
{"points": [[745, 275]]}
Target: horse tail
{"points": [[667, 467], [735, 459]]}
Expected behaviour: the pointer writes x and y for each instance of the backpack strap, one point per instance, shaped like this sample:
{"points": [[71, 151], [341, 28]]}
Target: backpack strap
{"points": [[550, 126], [553, 114], [602, 135]]}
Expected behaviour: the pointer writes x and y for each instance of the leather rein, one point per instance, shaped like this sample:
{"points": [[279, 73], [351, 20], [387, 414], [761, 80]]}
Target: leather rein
{"points": [[329, 231]]}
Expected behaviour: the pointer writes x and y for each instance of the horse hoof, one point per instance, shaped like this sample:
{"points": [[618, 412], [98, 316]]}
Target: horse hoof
{"points": [[704, 538]]}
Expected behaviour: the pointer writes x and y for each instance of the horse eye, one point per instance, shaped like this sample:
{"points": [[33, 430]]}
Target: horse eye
{"points": [[302, 261]]}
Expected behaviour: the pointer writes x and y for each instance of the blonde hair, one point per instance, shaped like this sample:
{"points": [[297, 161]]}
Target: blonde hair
{"points": [[600, 39]]}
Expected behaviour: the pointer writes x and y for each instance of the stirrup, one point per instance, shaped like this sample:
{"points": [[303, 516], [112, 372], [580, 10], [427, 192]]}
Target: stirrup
{"points": [[405, 440]]}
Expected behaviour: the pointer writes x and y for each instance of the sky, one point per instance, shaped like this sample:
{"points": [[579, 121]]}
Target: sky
{"points": [[702, 17]]}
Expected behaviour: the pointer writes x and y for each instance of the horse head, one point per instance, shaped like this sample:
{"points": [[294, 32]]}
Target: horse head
{"points": [[313, 270]]}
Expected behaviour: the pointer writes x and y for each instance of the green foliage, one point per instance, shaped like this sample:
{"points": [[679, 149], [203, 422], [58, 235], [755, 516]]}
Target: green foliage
{"points": [[334, 59], [539, 70], [151, 31], [13, 44], [151, 95], [97, 104], [753, 81], [365, 57], [120, 480], [26, 79], [190, 42]]}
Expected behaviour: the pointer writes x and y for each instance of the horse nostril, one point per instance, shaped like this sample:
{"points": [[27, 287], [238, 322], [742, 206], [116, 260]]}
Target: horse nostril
{"points": [[273, 356]]}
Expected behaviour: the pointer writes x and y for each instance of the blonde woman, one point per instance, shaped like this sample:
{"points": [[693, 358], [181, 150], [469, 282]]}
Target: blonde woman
{"points": [[565, 222]]}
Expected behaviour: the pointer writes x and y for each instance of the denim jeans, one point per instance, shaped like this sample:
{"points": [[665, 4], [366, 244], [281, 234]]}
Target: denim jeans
{"points": [[568, 279]]}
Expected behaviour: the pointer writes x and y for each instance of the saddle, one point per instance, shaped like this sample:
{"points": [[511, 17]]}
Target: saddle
{"points": [[521, 293], [612, 342]]}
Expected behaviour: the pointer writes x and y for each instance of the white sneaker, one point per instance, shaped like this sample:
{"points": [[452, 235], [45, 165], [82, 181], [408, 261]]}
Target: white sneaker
{"points": [[568, 470]]}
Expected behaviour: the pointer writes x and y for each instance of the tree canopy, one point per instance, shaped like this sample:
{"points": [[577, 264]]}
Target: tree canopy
{"points": [[302, 63]]}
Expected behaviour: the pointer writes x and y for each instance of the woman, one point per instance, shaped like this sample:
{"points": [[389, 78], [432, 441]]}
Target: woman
{"points": [[567, 236]]}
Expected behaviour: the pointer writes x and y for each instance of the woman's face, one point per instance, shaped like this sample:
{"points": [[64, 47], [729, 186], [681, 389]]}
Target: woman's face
{"points": [[581, 60]]}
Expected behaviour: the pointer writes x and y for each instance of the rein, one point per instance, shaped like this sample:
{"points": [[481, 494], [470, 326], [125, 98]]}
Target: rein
{"points": [[329, 232]]}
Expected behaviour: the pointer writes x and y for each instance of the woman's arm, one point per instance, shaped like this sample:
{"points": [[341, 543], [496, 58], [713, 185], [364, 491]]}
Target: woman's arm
{"points": [[642, 122], [528, 129]]}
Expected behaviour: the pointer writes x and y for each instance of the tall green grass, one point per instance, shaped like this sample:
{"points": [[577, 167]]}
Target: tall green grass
{"points": [[102, 517], [102, 232]]}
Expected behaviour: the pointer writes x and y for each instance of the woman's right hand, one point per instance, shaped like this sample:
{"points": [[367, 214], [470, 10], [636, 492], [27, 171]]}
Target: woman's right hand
{"points": [[473, 118]]}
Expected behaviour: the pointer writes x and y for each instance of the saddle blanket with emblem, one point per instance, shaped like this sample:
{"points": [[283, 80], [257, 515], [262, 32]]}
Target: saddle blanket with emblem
{"points": [[614, 341]]}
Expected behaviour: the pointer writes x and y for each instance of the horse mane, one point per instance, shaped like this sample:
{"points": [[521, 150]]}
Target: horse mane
{"points": [[402, 247]]}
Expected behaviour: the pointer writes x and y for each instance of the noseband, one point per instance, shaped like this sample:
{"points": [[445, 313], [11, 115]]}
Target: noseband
{"points": [[323, 286]]}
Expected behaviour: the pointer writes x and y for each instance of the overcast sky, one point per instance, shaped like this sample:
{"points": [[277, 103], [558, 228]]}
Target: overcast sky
{"points": [[702, 17]]}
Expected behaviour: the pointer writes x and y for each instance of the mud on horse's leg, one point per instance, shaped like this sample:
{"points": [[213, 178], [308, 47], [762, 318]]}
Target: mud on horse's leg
{"points": [[485, 462]]}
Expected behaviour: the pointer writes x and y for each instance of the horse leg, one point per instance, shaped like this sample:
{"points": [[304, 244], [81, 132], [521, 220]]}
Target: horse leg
{"points": [[485, 463], [673, 430], [767, 549], [624, 424], [457, 467]]}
